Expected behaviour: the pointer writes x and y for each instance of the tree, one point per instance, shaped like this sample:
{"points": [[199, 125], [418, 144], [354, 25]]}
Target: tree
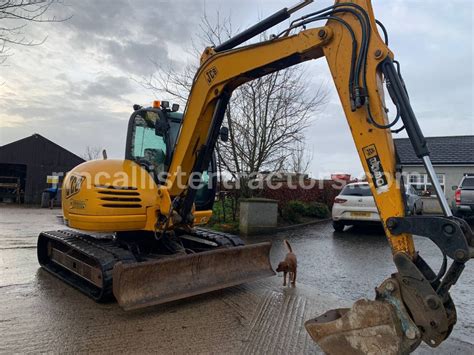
{"points": [[15, 15], [266, 117], [91, 153], [300, 158]]}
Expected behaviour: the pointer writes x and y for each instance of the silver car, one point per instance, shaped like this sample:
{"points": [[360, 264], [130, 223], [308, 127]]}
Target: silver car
{"points": [[414, 201]]}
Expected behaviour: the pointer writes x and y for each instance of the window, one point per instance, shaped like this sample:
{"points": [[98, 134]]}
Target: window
{"points": [[468, 183], [356, 190], [422, 184], [148, 148]]}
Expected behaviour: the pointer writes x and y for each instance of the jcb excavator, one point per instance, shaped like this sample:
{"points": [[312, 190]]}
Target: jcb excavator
{"points": [[146, 249]]}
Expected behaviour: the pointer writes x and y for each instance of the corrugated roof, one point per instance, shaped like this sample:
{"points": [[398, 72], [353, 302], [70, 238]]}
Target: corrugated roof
{"points": [[453, 150]]}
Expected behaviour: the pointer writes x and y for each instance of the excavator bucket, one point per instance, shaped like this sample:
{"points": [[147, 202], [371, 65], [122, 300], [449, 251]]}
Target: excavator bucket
{"points": [[367, 326], [137, 285], [365, 329]]}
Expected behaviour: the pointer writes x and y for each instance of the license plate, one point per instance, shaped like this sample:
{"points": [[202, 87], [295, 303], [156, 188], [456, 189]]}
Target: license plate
{"points": [[360, 214]]}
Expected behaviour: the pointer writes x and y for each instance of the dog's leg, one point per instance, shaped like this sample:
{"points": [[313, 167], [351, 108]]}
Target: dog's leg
{"points": [[294, 278], [284, 278]]}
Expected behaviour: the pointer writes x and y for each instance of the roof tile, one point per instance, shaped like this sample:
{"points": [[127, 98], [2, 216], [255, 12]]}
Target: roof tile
{"points": [[454, 150]]}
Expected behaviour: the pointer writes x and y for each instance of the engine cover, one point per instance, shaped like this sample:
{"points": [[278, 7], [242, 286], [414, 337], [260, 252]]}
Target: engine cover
{"points": [[109, 195]]}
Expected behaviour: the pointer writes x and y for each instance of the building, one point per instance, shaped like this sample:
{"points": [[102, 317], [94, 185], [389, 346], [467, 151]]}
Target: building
{"points": [[30, 161], [452, 158]]}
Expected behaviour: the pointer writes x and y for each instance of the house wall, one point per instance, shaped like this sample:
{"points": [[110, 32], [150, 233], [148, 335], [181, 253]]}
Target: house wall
{"points": [[453, 175]]}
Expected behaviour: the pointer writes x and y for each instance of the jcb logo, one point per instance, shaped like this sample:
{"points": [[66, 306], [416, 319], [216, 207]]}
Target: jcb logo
{"points": [[375, 166], [211, 74], [370, 151], [74, 185]]}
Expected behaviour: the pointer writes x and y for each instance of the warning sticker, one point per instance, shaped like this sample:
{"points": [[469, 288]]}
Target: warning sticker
{"points": [[375, 166]]}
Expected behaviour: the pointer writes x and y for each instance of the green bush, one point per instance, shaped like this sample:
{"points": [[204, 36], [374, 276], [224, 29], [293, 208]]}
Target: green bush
{"points": [[290, 215], [221, 208], [317, 210], [297, 206], [294, 210]]}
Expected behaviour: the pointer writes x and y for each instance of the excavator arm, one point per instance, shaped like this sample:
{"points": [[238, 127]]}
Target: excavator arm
{"points": [[412, 305]]}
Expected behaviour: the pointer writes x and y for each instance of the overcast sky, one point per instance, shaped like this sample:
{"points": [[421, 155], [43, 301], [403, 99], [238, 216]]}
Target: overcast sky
{"points": [[78, 88]]}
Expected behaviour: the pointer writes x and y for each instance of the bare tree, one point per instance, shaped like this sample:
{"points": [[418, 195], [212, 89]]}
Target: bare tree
{"points": [[15, 15], [300, 159], [266, 117], [91, 153]]}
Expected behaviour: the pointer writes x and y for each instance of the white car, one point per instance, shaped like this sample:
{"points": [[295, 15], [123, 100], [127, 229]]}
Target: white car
{"points": [[355, 204]]}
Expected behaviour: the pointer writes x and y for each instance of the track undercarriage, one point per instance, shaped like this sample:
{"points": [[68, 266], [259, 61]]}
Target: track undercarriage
{"points": [[155, 269]]}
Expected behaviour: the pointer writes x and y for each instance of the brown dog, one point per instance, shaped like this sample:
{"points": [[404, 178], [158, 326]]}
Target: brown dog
{"points": [[288, 266]]}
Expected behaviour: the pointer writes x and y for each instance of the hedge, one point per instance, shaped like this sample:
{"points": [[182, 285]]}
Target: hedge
{"points": [[323, 191]]}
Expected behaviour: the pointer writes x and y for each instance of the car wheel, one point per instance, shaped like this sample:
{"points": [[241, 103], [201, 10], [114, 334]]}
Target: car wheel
{"points": [[338, 226]]}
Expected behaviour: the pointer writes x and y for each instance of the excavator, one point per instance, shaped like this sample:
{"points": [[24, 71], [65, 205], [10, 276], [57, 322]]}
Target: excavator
{"points": [[134, 222]]}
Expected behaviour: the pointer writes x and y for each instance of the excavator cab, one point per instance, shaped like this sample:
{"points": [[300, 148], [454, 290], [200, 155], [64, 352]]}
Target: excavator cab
{"points": [[151, 140]]}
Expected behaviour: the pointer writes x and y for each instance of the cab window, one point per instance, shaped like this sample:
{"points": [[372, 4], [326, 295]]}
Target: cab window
{"points": [[148, 148]]}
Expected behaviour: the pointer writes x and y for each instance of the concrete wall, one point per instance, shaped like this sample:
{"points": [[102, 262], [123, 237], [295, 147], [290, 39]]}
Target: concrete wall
{"points": [[453, 175], [258, 216]]}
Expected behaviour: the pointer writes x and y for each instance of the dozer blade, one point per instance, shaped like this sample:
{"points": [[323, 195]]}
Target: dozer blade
{"points": [[137, 285]]}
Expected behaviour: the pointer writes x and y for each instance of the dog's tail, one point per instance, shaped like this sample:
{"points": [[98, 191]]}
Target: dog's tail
{"points": [[288, 246]]}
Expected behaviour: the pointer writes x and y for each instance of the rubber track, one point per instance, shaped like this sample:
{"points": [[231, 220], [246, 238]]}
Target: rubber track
{"points": [[223, 239], [103, 251]]}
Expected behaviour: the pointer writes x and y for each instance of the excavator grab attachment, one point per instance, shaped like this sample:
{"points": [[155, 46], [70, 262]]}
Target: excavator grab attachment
{"points": [[138, 285]]}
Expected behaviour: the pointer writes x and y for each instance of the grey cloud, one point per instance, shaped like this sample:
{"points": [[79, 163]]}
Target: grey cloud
{"points": [[132, 35], [102, 86], [71, 125], [136, 57], [53, 114], [107, 86], [99, 18]]}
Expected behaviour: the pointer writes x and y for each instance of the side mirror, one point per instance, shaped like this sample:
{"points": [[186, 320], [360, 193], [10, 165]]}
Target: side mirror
{"points": [[224, 134]]}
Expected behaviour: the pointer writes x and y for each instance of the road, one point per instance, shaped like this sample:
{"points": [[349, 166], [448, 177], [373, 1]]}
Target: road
{"points": [[40, 314], [350, 264]]}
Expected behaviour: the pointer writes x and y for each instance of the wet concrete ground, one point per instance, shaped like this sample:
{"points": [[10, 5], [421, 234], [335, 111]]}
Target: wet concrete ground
{"points": [[38, 313]]}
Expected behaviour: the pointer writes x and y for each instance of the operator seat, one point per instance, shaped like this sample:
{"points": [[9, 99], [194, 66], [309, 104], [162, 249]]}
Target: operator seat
{"points": [[156, 158]]}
